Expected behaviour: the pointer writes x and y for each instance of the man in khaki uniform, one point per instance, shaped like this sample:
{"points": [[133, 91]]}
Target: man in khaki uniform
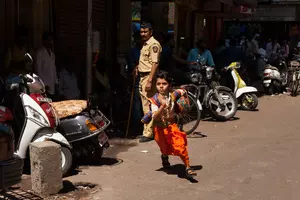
{"points": [[148, 65]]}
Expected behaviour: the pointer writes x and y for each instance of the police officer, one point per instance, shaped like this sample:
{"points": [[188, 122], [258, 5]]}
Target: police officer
{"points": [[147, 67]]}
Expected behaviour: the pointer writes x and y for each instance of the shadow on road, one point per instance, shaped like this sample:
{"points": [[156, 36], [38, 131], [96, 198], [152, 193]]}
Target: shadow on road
{"points": [[105, 161], [255, 110], [197, 135], [179, 170], [210, 119]]}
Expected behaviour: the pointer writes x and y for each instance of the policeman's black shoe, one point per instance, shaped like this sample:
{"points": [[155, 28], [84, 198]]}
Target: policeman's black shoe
{"points": [[145, 139]]}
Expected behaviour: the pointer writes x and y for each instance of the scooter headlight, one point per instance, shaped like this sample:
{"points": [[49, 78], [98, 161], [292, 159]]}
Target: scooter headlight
{"points": [[36, 115], [209, 71], [194, 78]]}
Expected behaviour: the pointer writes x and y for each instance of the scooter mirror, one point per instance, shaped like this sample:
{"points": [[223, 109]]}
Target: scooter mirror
{"points": [[238, 65], [28, 59]]}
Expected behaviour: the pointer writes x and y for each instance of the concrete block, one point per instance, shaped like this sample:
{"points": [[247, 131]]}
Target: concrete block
{"points": [[46, 173]]}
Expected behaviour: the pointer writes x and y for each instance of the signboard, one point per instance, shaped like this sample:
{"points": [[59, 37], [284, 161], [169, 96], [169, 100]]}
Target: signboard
{"points": [[267, 13]]}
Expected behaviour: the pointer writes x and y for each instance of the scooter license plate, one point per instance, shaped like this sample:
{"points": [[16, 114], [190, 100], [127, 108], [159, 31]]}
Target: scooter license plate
{"points": [[102, 138]]}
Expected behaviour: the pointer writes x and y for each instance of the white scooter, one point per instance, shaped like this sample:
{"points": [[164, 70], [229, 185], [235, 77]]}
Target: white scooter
{"points": [[31, 123], [275, 78], [244, 94]]}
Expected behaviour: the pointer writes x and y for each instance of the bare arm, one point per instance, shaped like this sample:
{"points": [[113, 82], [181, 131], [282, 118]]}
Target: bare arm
{"points": [[180, 60], [157, 115], [153, 71], [154, 54]]}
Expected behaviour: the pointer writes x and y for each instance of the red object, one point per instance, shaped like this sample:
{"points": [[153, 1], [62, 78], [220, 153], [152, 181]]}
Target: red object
{"points": [[46, 106], [5, 114]]}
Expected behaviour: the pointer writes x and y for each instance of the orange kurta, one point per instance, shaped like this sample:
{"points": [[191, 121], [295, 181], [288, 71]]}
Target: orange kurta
{"points": [[172, 141]]}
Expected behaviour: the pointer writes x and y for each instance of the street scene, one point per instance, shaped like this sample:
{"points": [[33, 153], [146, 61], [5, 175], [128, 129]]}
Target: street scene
{"points": [[252, 157], [125, 99]]}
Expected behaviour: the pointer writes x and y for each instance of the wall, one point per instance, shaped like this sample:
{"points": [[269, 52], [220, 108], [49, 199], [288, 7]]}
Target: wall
{"points": [[157, 13], [125, 27]]}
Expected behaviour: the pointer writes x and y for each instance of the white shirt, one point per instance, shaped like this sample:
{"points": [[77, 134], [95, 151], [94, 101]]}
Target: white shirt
{"points": [[68, 85], [45, 68]]}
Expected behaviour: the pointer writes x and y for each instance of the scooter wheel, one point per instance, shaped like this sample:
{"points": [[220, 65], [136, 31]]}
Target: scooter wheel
{"points": [[67, 160], [246, 105]]}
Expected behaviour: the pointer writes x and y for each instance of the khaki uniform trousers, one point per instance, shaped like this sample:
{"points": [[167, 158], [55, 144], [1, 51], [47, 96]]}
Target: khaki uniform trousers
{"points": [[148, 128]]}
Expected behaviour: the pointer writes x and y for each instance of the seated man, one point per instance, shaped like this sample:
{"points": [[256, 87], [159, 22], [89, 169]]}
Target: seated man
{"points": [[201, 53], [101, 85], [68, 86]]}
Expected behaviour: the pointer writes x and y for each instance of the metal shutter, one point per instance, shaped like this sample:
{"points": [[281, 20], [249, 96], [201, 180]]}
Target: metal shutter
{"points": [[70, 22]]}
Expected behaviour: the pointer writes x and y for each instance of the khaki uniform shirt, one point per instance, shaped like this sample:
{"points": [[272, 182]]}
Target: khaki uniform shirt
{"points": [[150, 53]]}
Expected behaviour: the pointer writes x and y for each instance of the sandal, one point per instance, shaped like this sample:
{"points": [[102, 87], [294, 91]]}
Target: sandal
{"points": [[165, 161], [190, 173]]}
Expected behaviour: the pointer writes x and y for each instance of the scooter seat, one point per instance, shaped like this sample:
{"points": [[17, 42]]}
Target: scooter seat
{"points": [[69, 108], [271, 67]]}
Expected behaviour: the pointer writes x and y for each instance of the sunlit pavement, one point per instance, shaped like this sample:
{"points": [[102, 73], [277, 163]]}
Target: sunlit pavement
{"points": [[254, 157]]}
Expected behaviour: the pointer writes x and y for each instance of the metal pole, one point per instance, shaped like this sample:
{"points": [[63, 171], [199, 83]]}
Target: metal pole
{"points": [[89, 50]]}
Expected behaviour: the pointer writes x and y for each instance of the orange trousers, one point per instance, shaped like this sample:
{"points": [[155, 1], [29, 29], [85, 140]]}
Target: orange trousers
{"points": [[172, 141]]}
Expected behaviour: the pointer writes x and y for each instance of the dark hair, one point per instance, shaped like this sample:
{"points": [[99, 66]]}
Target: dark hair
{"points": [[164, 75], [21, 30], [46, 35], [146, 25], [199, 42]]}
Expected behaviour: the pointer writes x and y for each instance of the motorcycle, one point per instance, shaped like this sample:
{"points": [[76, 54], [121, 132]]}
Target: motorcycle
{"points": [[275, 79], [11, 166], [79, 121], [30, 123], [218, 100], [295, 73], [244, 94]]}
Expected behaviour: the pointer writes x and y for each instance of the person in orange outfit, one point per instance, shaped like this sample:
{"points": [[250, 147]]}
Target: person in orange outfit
{"points": [[164, 106]]}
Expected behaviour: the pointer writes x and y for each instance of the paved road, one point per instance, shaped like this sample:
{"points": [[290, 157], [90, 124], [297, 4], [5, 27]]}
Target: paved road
{"points": [[255, 157]]}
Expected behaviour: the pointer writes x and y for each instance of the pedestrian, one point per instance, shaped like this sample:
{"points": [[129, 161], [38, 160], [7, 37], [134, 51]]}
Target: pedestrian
{"points": [[164, 107], [285, 49], [68, 86], [200, 53], [45, 64], [147, 67]]}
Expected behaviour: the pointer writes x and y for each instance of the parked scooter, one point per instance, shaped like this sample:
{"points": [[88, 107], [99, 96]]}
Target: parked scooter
{"points": [[275, 79], [244, 94], [11, 166], [80, 122], [30, 123]]}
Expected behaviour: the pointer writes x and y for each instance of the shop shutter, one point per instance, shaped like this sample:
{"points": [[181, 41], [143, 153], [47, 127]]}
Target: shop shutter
{"points": [[70, 22]]}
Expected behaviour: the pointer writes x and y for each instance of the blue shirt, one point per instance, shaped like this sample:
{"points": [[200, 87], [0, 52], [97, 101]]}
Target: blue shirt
{"points": [[206, 56]]}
